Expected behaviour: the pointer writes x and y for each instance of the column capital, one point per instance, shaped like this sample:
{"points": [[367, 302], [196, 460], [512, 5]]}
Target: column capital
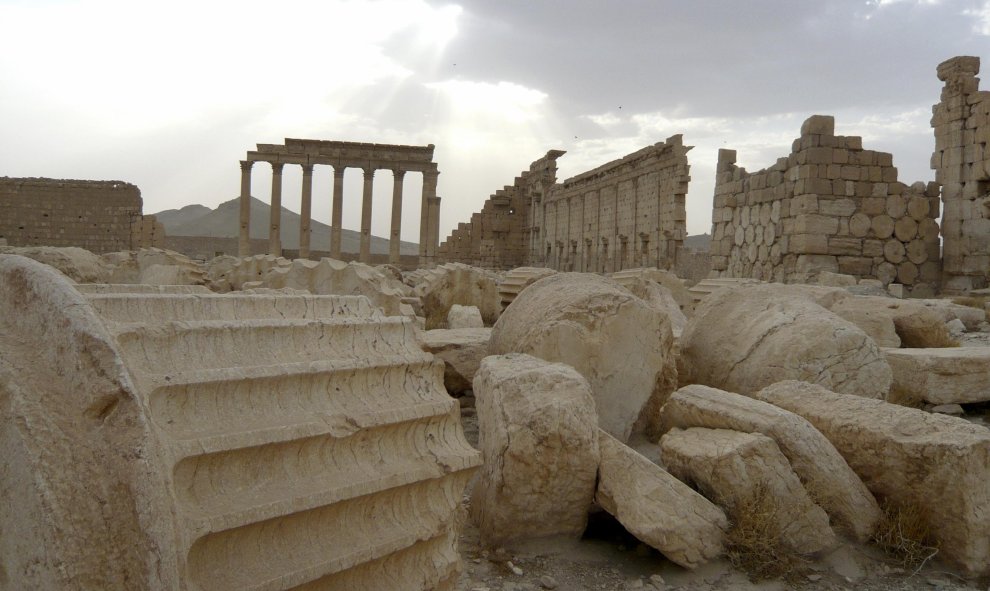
{"points": [[369, 172], [338, 171], [247, 164], [277, 167], [398, 173], [307, 169]]}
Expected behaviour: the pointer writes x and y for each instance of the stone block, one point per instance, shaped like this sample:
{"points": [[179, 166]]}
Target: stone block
{"points": [[656, 507], [818, 125], [905, 229], [839, 245], [856, 265], [934, 465], [729, 467], [538, 436], [464, 317], [836, 207], [955, 375], [816, 461], [461, 351], [809, 244], [883, 226], [809, 264]]}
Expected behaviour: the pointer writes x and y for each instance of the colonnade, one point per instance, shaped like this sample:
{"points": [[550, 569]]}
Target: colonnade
{"points": [[429, 236]]}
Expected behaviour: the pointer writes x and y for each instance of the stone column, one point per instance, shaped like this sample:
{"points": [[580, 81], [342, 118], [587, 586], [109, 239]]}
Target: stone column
{"points": [[274, 236], [429, 192], [306, 211], [369, 179], [395, 236], [244, 238], [336, 212], [434, 235]]}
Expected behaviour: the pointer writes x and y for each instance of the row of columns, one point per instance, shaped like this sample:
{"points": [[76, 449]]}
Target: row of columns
{"points": [[429, 219]]}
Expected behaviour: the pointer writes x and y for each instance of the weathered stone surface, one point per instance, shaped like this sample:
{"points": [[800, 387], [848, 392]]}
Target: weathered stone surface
{"points": [[464, 317], [77, 264], [934, 464], [874, 315], [954, 375], [816, 461], [729, 466], [456, 283], [333, 277], [206, 418], [656, 507], [947, 310], [675, 285], [519, 279], [617, 341], [773, 337], [658, 297], [461, 351], [539, 442]]}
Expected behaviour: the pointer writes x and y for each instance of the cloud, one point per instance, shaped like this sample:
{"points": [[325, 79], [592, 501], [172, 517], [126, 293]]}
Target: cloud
{"points": [[981, 16]]}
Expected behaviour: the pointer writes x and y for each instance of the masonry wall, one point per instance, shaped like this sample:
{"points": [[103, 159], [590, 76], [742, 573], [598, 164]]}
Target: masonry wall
{"points": [[503, 234], [961, 160], [100, 216], [828, 206], [627, 213]]}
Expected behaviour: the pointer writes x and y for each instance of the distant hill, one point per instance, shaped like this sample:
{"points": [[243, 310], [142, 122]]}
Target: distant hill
{"points": [[698, 242], [224, 222]]}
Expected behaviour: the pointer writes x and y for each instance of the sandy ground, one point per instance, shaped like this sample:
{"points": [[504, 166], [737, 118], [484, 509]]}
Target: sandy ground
{"points": [[608, 558]]}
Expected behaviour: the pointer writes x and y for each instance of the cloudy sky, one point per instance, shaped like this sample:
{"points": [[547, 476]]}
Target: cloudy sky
{"points": [[170, 95]]}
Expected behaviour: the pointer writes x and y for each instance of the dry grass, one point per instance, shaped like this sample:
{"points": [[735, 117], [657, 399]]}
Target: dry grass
{"points": [[753, 542], [904, 533]]}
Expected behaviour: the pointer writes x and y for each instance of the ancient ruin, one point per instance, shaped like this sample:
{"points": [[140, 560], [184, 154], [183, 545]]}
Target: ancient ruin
{"points": [[626, 213], [340, 156], [100, 216], [830, 206], [260, 423], [961, 162]]}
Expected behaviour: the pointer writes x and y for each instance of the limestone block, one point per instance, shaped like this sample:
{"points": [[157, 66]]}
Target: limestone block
{"points": [[656, 507], [921, 328], [674, 284], [835, 279], [332, 277], [947, 310], [517, 280], [622, 345], [859, 225], [456, 283], [538, 436], [77, 264], [816, 461], [906, 229], [907, 273], [461, 351], [883, 226], [917, 208], [935, 464], [896, 206], [818, 124], [777, 336], [812, 264], [874, 316], [729, 466], [234, 467], [807, 223], [955, 375], [893, 251], [464, 317], [170, 275], [659, 298]]}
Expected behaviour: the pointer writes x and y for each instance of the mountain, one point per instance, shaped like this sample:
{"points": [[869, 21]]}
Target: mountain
{"points": [[698, 242], [224, 222]]}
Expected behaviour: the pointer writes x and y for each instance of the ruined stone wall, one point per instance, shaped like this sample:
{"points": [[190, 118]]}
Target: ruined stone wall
{"points": [[627, 213], [828, 206], [100, 216], [501, 235], [961, 121]]}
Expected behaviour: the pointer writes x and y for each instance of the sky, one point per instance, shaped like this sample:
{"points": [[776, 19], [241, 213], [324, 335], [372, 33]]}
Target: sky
{"points": [[170, 95]]}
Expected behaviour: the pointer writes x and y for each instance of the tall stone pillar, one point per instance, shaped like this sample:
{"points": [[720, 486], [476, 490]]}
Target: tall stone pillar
{"points": [[244, 238], [369, 179], [434, 234], [337, 210], [306, 211], [274, 236], [429, 192], [963, 169], [395, 235]]}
